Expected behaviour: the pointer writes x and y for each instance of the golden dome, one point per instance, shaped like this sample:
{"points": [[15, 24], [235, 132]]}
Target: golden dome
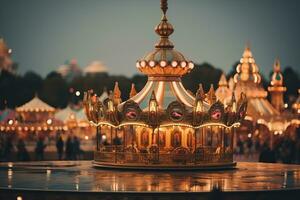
{"points": [[164, 60]]}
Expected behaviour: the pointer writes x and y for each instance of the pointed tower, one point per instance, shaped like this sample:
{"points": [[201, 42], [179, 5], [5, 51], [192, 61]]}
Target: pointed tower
{"points": [[223, 93], [247, 80], [276, 88]]}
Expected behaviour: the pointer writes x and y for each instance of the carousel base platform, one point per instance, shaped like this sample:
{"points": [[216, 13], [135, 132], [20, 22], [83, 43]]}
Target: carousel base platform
{"points": [[80, 180], [165, 167]]}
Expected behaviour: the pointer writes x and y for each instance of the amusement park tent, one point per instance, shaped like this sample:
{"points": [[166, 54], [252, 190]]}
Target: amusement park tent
{"points": [[36, 105]]}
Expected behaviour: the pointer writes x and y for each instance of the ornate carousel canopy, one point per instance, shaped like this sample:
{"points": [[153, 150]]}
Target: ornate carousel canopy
{"points": [[158, 126], [35, 105]]}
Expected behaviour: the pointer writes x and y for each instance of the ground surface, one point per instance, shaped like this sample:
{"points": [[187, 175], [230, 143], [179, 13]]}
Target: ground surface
{"points": [[67, 177]]}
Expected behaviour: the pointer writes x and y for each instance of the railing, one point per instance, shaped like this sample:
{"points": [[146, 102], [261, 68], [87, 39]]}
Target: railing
{"points": [[203, 156]]}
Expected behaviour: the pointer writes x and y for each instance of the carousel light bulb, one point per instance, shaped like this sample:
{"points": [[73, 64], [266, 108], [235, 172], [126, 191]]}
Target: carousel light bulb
{"points": [[163, 63], [103, 137], [143, 63], [49, 121], [183, 64], [10, 122], [191, 65], [151, 63], [137, 64], [174, 63]]}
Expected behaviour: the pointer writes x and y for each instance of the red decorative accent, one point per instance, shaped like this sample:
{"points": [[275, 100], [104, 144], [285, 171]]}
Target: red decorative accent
{"points": [[176, 114], [131, 114], [216, 114]]}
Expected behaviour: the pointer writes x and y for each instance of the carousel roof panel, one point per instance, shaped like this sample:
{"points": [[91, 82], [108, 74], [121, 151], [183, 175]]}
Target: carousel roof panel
{"points": [[165, 92], [36, 105]]}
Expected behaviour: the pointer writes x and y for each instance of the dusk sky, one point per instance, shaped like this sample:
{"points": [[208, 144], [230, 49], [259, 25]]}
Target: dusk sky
{"points": [[45, 33]]}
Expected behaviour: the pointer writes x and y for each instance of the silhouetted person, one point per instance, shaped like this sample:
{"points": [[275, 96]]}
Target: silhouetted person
{"points": [[77, 151], [69, 149], [117, 141], [267, 155], [60, 147], [22, 154], [39, 149], [7, 150]]}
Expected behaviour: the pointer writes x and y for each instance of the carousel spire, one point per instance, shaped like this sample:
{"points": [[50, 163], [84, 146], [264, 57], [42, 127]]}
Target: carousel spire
{"points": [[164, 61], [200, 94], [117, 94], [132, 91], [211, 96], [164, 29]]}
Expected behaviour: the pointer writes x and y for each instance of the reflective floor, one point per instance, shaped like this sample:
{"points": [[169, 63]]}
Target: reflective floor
{"points": [[81, 176]]}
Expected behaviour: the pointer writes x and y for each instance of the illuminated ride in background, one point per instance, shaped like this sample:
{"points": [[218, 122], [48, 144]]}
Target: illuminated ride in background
{"points": [[164, 126]]}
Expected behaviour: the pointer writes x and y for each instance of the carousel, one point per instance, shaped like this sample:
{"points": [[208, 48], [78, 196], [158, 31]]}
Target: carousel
{"points": [[164, 126], [35, 116]]}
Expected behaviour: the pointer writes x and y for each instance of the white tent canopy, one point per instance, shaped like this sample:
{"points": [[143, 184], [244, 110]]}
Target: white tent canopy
{"points": [[36, 105]]}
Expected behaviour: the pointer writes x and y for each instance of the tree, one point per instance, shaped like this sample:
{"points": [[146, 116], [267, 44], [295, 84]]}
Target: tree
{"points": [[204, 73], [55, 90]]}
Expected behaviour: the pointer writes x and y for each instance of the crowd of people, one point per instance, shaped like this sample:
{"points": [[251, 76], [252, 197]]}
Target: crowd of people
{"points": [[285, 149], [11, 150]]}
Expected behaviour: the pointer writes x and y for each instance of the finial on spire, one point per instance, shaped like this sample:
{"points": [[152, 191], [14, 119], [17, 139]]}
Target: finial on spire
{"points": [[164, 29], [277, 65], [164, 6]]}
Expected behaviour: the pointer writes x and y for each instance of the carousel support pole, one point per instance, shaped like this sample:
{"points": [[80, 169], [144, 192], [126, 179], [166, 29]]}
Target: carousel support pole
{"points": [[271, 140], [195, 147], [211, 136], [97, 138], [158, 143], [132, 136], [116, 130], [124, 138], [232, 139], [202, 137]]}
